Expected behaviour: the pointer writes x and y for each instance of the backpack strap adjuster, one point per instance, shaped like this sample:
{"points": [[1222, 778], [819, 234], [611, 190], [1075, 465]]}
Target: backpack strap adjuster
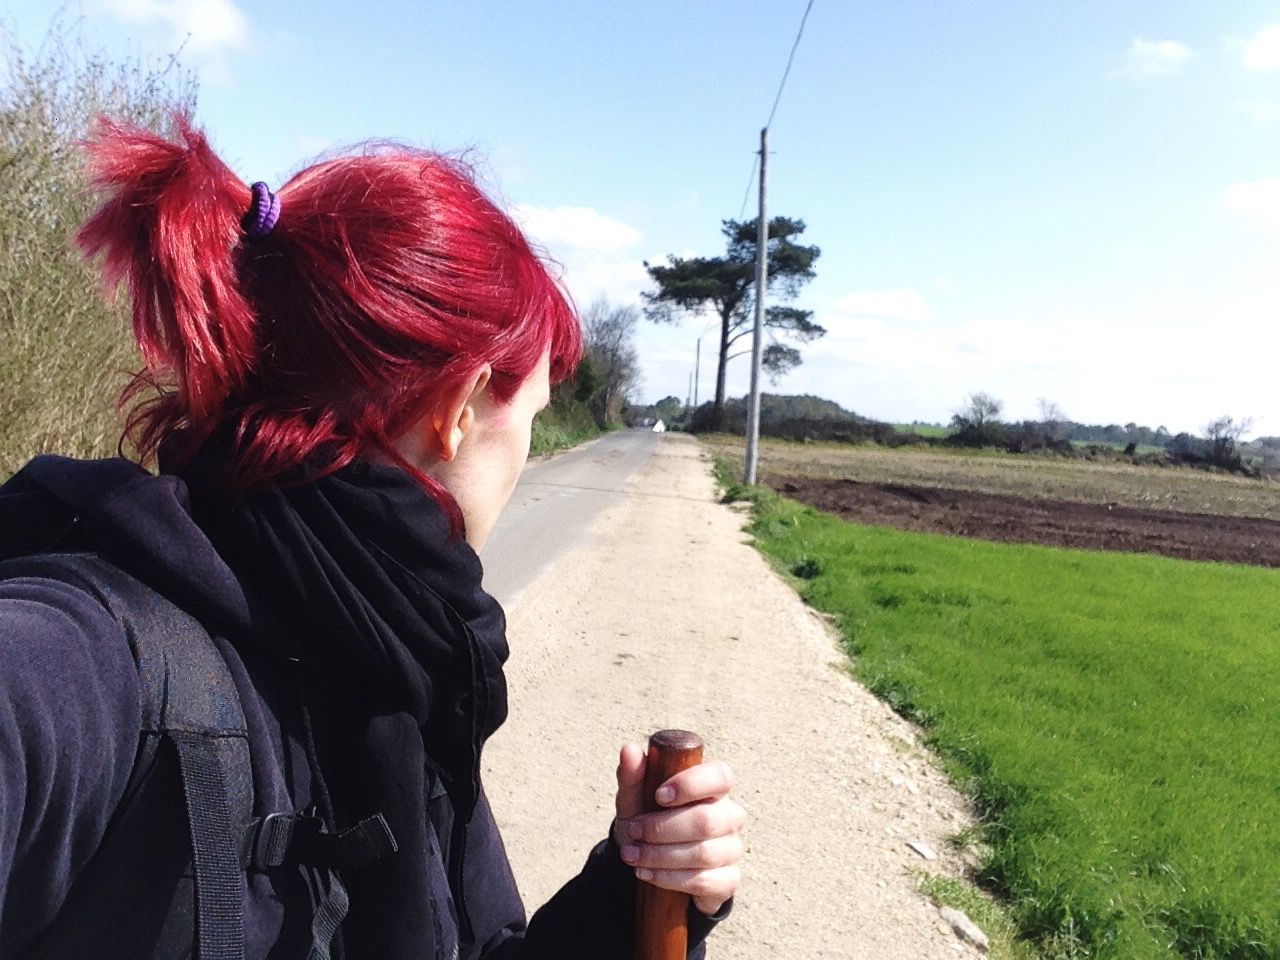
{"points": [[268, 841], [280, 838], [368, 841]]}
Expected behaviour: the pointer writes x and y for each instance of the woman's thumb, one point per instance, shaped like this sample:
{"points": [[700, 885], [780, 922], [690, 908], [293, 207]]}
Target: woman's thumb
{"points": [[630, 800]]}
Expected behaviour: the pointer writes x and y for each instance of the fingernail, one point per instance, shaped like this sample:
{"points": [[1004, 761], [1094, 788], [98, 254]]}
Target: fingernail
{"points": [[666, 794], [644, 873], [635, 831], [630, 853]]}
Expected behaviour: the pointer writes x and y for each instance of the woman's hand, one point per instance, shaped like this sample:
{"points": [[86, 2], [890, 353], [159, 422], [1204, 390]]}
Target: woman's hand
{"points": [[693, 845]]}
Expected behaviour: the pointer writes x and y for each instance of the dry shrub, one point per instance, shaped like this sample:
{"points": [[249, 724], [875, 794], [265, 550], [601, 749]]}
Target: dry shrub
{"points": [[65, 351]]}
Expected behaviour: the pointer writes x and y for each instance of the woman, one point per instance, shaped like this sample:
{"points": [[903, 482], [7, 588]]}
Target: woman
{"points": [[343, 379]]}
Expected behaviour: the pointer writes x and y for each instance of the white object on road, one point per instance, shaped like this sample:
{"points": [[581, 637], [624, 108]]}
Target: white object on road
{"points": [[659, 427], [922, 848], [964, 928]]}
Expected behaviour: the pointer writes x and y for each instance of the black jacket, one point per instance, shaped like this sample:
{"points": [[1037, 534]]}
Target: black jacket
{"points": [[69, 727]]}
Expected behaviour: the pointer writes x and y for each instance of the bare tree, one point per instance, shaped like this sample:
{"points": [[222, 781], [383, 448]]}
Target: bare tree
{"points": [[975, 424], [609, 333], [978, 410], [1050, 412], [1055, 424], [1224, 434]]}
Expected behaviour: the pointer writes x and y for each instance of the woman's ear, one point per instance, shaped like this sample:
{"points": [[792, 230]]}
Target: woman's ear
{"points": [[454, 418]]}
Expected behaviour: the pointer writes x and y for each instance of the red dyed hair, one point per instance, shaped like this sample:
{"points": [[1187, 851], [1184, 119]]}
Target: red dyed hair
{"points": [[388, 279]]}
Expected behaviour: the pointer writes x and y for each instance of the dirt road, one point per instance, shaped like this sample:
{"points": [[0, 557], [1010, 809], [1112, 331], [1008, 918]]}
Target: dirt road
{"points": [[664, 616]]}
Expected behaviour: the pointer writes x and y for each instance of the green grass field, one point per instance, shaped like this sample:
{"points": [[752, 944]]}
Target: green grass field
{"points": [[1113, 715], [921, 429]]}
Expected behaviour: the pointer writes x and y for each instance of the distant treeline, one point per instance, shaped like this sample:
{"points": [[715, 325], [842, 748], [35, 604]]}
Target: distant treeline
{"points": [[788, 417], [810, 418], [1220, 446]]}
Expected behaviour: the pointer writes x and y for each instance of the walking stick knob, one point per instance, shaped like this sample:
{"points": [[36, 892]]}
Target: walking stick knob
{"points": [[662, 915]]}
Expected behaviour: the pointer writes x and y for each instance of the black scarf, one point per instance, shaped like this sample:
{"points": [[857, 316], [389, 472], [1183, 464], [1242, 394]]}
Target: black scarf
{"points": [[368, 587]]}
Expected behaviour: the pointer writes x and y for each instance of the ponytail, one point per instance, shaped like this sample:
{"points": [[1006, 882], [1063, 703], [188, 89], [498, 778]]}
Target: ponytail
{"points": [[307, 343], [168, 228]]}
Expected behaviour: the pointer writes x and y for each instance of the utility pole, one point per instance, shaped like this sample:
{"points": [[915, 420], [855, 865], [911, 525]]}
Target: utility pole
{"points": [[697, 372], [762, 274]]}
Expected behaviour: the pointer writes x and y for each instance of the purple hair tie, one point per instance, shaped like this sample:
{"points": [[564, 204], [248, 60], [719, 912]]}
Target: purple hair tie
{"points": [[263, 213]]}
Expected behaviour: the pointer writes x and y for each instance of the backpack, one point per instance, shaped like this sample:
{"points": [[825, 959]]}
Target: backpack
{"points": [[174, 857]]}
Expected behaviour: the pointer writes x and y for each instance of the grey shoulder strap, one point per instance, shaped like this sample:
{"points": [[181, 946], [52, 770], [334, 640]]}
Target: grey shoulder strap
{"points": [[189, 700]]}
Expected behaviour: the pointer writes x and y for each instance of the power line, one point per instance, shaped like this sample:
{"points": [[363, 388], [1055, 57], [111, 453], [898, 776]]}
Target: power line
{"points": [[746, 194], [762, 273], [787, 72]]}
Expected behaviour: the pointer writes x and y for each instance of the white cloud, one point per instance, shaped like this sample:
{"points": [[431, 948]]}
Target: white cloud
{"points": [[1141, 359], [596, 253], [1158, 58], [200, 26], [1256, 200], [1262, 52], [904, 304], [1143, 363], [1263, 111], [577, 228]]}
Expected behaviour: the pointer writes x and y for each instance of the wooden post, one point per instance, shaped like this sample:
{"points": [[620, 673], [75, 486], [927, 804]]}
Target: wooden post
{"points": [[662, 915]]}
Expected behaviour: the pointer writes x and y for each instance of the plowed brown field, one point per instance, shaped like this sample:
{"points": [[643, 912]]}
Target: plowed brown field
{"points": [[987, 516]]}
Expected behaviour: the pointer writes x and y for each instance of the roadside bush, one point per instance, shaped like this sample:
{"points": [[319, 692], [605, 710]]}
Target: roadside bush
{"points": [[1032, 437], [847, 429], [705, 419], [898, 438], [974, 435], [565, 423], [65, 353], [843, 431]]}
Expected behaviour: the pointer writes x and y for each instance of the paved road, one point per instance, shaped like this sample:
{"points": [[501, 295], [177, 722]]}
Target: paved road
{"points": [[554, 504]]}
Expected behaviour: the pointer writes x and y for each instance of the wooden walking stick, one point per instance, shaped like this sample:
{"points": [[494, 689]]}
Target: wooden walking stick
{"points": [[662, 915]]}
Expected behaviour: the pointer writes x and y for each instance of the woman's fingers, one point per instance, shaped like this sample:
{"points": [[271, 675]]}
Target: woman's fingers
{"points": [[692, 846], [709, 888], [705, 781], [691, 824], [701, 855], [700, 785]]}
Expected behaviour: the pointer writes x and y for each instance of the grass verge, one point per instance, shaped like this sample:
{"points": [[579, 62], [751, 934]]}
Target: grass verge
{"points": [[1113, 716], [991, 916], [564, 424]]}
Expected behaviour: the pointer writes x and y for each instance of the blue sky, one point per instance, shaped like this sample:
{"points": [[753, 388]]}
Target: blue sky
{"points": [[1076, 202]]}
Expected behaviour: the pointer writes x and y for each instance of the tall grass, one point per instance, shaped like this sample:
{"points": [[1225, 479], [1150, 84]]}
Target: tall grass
{"points": [[64, 351], [1115, 717]]}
